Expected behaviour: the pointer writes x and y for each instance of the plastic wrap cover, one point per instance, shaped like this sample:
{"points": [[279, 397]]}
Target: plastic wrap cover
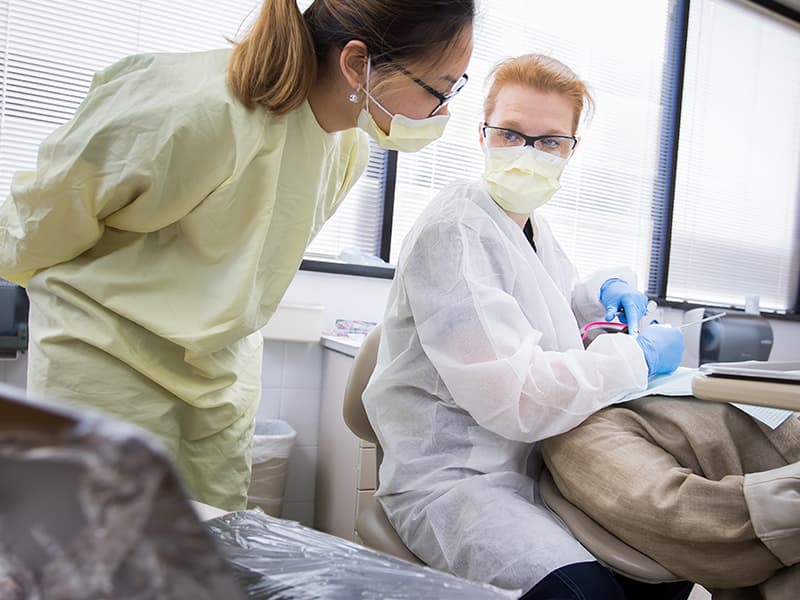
{"points": [[93, 509], [278, 559]]}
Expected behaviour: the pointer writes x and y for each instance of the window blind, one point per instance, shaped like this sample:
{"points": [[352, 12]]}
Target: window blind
{"points": [[50, 49], [357, 223], [736, 214], [609, 206]]}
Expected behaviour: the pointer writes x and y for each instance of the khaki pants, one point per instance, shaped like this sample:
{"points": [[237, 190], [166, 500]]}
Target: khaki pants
{"points": [[701, 487]]}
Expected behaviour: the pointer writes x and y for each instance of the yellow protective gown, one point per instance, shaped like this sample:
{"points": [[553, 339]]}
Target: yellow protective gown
{"points": [[156, 237]]}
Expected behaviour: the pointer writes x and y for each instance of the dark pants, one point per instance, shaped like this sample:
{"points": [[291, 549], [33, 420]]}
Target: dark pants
{"points": [[593, 581]]}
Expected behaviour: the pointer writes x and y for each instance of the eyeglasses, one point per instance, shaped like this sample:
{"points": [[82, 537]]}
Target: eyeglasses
{"points": [[442, 98], [501, 137]]}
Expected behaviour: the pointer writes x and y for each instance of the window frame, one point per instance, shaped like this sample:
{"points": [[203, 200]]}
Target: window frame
{"points": [[659, 267], [660, 274]]}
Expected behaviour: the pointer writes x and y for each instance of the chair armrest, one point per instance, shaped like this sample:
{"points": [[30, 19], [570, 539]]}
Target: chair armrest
{"points": [[377, 532], [606, 547]]}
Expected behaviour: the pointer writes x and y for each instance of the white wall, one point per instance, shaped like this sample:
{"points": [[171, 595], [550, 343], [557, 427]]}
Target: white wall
{"points": [[787, 340], [344, 296]]}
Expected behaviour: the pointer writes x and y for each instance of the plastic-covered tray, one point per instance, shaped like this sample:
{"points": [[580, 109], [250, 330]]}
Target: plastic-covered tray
{"points": [[277, 559]]}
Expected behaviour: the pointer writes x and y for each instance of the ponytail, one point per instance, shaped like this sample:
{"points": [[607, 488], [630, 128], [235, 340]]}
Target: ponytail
{"points": [[275, 65]]}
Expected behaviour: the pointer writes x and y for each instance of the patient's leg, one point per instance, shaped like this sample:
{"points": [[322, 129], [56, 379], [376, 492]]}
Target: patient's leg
{"points": [[666, 476]]}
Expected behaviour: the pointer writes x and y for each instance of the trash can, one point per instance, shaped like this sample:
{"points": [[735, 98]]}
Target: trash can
{"points": [[272, 443]]}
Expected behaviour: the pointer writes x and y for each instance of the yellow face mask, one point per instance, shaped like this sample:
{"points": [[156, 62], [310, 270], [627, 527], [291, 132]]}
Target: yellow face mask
{"points": [[405, 134], [521, 179]]}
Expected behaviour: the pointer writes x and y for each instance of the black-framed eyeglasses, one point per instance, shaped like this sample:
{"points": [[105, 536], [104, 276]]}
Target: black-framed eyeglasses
{"points": [[502, 137], [442, 98]]}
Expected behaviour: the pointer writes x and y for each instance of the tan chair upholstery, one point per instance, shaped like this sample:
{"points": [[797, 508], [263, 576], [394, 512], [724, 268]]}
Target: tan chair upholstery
{"points": [[354, 414], [372, 526], [376, 532], [609, 549]]}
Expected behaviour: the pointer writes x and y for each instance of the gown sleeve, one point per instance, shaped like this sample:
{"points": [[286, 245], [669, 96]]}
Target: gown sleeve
{"points": [[130, 158], [459, 287]]}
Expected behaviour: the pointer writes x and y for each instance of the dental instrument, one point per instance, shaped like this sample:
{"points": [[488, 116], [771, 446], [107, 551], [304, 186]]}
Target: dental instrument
{"points": [[651, 308], [711, 318]]}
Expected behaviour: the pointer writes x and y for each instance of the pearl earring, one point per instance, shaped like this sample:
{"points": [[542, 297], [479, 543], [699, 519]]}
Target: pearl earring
{"points": [[353, 97]]}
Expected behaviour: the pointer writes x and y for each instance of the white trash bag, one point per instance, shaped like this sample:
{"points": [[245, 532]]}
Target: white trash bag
{"points": [[272, 444]]}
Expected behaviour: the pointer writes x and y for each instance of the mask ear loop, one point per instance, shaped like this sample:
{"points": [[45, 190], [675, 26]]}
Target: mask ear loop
{"points": [[366, 83], [367, 94]]}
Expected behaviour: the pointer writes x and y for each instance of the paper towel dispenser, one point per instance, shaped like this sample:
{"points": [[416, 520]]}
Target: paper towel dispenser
{"points": [[735, 337]]}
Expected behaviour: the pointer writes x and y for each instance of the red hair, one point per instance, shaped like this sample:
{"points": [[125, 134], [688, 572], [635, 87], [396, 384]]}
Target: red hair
{"points": [[544, 74]]}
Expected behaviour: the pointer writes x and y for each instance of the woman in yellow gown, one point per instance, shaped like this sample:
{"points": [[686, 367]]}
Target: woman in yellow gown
{"points": [[166, 219]]}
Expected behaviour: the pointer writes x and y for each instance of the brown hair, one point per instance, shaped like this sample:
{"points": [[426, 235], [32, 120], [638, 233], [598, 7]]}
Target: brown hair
{"points": [[276, 64], [542, 73]]}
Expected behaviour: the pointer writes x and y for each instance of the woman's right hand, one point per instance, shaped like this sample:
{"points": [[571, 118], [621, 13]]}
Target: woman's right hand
{"points": [[663, 347]]}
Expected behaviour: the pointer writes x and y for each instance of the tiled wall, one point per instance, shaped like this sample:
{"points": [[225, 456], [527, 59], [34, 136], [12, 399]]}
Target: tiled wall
{"points": [[291, 381], [291, 378]]}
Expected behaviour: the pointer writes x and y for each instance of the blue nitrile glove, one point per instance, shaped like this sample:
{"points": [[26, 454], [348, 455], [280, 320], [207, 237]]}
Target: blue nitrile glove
{"points": [[616, 294], [663, 347]]}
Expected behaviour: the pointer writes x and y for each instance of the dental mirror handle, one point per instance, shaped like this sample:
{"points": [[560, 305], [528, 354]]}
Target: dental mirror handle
{"points": [[711, 318]]}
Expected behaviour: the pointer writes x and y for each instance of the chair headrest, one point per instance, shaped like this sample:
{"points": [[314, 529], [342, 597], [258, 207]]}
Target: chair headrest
{"points": [[353, 408]]}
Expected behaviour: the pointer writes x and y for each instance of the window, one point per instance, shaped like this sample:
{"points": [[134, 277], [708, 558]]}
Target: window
{"points": [[357, 225], [708, 216], [707, 220], [50, 51], [736, 222], [614, 187]]}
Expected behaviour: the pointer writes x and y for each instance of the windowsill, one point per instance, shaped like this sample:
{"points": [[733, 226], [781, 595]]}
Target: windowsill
{"points": [[343, 268], [788, 316]]}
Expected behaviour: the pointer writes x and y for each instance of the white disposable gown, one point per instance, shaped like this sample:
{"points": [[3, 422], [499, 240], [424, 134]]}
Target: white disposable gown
{"points": [[156, 237], [480, 357]]}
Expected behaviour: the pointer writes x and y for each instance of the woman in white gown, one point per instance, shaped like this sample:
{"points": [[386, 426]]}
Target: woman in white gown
{"points": [[481, 355]]}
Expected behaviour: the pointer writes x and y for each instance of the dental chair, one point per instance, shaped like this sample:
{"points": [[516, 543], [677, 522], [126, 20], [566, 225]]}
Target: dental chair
{"points": [[372, 526], [377, 532]]}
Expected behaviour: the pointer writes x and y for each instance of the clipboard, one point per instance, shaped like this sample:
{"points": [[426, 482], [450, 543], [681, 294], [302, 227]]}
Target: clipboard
{"points": [[788, 371], [759, 383]]}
